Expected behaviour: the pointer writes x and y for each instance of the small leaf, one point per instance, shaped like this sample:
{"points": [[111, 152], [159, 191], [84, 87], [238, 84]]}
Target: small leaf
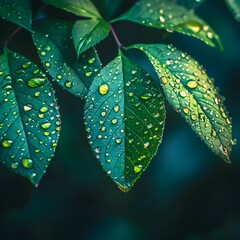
{"points": [[29, 117], [56, 51], [172, 17], [192, 93], [17, 11], [234, 6], [87, 33], [83, 8], [124, 118]]}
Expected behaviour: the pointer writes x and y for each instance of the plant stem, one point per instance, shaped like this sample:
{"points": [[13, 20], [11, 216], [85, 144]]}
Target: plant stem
{"points": [[11, 36], [116, 38]]}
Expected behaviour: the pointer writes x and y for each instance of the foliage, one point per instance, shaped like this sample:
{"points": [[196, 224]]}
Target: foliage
{"points": [[124, 109]]}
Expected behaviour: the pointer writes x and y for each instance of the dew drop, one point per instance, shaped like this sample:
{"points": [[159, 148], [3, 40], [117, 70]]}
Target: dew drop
{"points": [[103, 89], [26, 65], [36, 82], [114, 121], [68, 84], [164, 80], [14, 165], [27, 162], [185, 110], [191, 25], [183, 94], [7, 143], [192, 84], [118, 140], [43, 109], [116, 108], [138, 168], [146, 96], [46, 125], [27, 107]]}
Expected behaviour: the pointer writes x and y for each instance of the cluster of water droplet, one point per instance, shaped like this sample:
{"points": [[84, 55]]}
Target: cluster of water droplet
{"points": [[193, 94], [56, 51], [29, 117], [124, 119]]}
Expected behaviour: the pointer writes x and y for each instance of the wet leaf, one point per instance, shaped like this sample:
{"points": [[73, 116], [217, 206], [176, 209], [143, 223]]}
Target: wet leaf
{"points": [[29, 117], [124, 117], [83, 8], [234, 6], [56, 51], [87, 33], [172, 17], [17, 11], [192, 93]]}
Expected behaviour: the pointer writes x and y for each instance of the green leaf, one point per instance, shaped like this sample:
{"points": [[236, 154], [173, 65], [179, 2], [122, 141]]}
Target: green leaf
{"points": [[192, 93], [87, 33], [83, 8], [172, 17], [234, 6], [17, 11], [29, 117], [56, 51], [124, 118]]}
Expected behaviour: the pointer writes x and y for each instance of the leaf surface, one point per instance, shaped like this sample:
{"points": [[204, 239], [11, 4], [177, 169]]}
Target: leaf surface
{"points": [[172, 17], [234, 6], [83, 8], [192, 93], [17, 11], [29, 117], [125, 117], [87, 33], [56, 51]]}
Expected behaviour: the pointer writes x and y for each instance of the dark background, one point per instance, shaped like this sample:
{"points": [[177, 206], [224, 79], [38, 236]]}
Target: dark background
{"points": [[186, 193]]}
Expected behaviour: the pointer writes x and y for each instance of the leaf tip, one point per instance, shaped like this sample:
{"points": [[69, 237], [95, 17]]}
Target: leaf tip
{"points": [[125, 187]]}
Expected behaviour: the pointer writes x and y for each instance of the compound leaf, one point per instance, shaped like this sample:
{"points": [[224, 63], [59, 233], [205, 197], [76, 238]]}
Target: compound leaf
{"points": [[83, 8], [29, 117], [192, 93], [172, 17], [56, 51], [125, 117], [17, 11], [234, 6], [87, 33]]}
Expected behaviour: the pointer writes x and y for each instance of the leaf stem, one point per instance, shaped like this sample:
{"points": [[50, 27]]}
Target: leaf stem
{"points": [[116, 38], [11, 36]]}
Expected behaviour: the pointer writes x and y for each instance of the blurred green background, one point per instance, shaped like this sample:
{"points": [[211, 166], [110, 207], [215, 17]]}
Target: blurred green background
{"points": [[186, 193]]}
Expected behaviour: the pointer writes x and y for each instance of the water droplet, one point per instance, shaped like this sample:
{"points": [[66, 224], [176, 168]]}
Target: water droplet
{"points": [[138, 168], [36, 82], [27, 162], [46, 125], [27, 107], [43, 53], [146, 96], [103, 89], [146, 144], [7, 143], [192, 84], [194, 117], [186, 110], [14, 165], [59, 76], [191, 25], [47, 64], [26, 65], [88, 74], [114, 121], [164, 80], [68, 84], [183, 94], [43, 109], [116, 108], [118, 140]]}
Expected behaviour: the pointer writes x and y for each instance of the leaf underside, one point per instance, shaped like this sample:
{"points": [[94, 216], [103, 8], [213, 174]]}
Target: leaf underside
{"points": [[83, 8], [124, 117], [29, 117], [172, 17], [87, 33], [234, 6], [192, 93], [56, 51], [17, 11]]}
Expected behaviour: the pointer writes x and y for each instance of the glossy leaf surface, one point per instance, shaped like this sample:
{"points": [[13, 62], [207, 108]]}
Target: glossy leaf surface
{"points": [[56, 51], [87, 33], [172, 17], [192, 93], [124, 117], [17, 11], [83, 8], [29, 117]]}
